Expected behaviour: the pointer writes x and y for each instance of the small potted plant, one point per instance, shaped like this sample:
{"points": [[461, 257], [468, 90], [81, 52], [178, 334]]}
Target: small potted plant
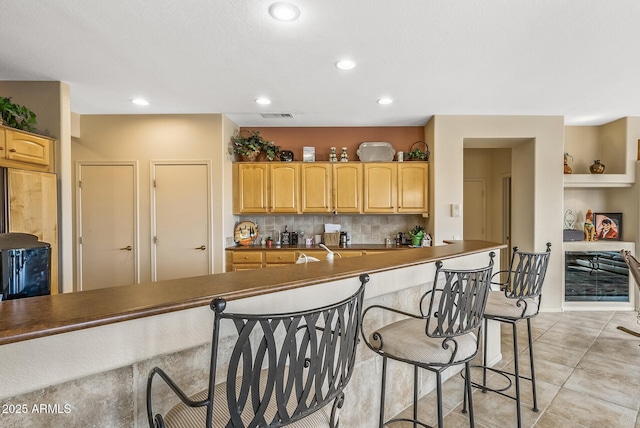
{"points": [[16, 116], [416, 234], [250, 144], [269, 242], [420, 153]]}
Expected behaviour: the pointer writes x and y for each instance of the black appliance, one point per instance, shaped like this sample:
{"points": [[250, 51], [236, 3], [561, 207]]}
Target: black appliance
{"points": [[25, 266]]}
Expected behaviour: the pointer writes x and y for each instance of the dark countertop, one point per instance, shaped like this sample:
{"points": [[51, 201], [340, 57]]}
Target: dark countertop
{"points": [[33, 317], [362, 247]]}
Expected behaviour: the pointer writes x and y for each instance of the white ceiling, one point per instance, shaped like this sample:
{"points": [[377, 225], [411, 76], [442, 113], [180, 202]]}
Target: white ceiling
{"points": [[576, 58]]}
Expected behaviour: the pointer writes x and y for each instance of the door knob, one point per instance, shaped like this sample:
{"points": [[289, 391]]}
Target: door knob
{"points": [[201, 247], [128, 248]]}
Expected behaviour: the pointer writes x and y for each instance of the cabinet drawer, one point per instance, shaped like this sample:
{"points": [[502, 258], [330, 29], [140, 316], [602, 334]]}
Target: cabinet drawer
{"points": [[280, 257], [247, 257]]}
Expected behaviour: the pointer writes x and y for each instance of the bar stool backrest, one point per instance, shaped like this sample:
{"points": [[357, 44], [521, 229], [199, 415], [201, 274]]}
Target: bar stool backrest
{"points": [[284, 367], [457, 302], [526, 274]]}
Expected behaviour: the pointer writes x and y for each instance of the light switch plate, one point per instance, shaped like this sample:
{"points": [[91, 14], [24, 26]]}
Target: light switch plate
{"points": [[455, 210]]}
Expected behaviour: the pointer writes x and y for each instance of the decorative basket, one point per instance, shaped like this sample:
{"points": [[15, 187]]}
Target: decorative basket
{"points": [[419, 151]]}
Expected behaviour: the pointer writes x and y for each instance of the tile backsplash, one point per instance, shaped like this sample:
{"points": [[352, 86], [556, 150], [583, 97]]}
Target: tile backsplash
{"points": [[365, 229]]}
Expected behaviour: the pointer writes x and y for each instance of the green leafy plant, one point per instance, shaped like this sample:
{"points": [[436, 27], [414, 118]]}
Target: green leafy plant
{"points": [[417, 230], [417, 153], [17, 116], [250, 144]]}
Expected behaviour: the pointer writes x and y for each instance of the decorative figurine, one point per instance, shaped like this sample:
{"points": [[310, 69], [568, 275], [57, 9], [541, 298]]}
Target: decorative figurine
{"points": [[332, 156], [589, 228], [344, 157]]}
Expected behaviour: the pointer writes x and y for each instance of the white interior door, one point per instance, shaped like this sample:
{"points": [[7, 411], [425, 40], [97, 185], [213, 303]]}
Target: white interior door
{"points": [[181, 220], [475, 209], [107, 219]]}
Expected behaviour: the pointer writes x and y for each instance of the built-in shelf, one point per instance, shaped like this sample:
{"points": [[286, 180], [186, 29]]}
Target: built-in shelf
{"points": [[609, 245], [598, 180]]}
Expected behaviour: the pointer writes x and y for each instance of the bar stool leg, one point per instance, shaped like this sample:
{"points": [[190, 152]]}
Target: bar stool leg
{"points": [[484, 356], [516, 372], [468, 391], [384, 376], [533, 373], [439, 391], [415, 396]]}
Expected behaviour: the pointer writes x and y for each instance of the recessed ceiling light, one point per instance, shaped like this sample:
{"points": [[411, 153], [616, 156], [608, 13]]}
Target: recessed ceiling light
{"points": [[263, 101], [284, 11], [140, 102], [345, 64], [385, 101]]}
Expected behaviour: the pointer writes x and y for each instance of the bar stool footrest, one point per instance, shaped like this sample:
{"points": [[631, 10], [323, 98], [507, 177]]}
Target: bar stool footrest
{"points": [[393, 421]]}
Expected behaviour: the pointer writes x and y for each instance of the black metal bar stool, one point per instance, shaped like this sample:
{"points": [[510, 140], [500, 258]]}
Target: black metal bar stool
{"points": [[518, 299], [445, 333], [284, 370]]}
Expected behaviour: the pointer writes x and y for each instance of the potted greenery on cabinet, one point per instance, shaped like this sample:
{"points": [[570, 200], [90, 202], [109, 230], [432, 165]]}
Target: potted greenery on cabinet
{"points": [[250, 145], [16, 116]]}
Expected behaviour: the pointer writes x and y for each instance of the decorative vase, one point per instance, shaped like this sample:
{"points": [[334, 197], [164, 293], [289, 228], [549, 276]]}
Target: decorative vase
{"points": [[596, 167], [416, 240], [567, 168]]}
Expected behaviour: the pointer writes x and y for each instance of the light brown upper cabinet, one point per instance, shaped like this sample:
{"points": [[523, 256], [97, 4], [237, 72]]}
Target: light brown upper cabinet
{"points": [[327, 187], [20, 149], [262, 188], [285, 187], [380, 187], [316, 187], [331, 187], [347, 187], [250, 188], [413, 187]]}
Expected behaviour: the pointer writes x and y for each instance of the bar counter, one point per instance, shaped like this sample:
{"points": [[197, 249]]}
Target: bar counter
{"points": [[90, 352], [34, 317]]}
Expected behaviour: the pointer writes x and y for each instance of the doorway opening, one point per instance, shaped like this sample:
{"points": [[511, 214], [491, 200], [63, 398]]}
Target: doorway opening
{"points": [[487, 197]]}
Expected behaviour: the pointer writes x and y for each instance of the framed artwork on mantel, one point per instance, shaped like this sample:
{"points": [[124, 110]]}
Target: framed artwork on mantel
{"points": [[608, 226]]}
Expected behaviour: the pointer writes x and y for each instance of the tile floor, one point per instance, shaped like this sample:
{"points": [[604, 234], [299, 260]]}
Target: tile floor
{"points": [[587, 375]]}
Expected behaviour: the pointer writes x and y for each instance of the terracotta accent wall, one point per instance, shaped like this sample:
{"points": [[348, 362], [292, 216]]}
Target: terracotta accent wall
{"points": [[323, 138]]}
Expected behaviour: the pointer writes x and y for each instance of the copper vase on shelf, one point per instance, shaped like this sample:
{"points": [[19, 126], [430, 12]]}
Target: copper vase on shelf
{"points": [[567, 168], [597, 167]]}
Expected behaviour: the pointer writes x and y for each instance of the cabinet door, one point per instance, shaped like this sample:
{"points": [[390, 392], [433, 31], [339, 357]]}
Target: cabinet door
{"points": [[33, 208], [250, 195], [347, 187], [284, 188], [413, 187], [316, 188], [23, 147], [380, 188]]}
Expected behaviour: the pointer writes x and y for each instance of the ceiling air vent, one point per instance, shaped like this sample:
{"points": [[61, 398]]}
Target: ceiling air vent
{"points": [[277, 115]]}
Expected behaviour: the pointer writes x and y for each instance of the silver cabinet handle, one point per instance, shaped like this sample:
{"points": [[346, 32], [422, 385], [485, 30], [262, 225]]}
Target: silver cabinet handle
{"points": [[201, 247], [128, 248]]}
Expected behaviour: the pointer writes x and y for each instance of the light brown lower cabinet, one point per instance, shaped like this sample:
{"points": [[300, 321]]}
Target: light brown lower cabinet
{"points": [[260, 258]]}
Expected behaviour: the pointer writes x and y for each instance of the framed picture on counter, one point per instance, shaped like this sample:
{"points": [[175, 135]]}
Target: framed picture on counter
{"points": [[608, 226]]}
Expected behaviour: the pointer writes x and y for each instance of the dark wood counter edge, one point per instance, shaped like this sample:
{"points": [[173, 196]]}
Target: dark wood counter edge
{"points": [[36, 317]]}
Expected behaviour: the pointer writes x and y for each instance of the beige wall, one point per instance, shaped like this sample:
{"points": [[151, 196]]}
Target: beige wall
{"points": [[144, 138], [536, 143]]}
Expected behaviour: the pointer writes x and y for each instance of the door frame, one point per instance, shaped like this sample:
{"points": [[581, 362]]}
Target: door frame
{"points": [[152, 243], [78, 214]]}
